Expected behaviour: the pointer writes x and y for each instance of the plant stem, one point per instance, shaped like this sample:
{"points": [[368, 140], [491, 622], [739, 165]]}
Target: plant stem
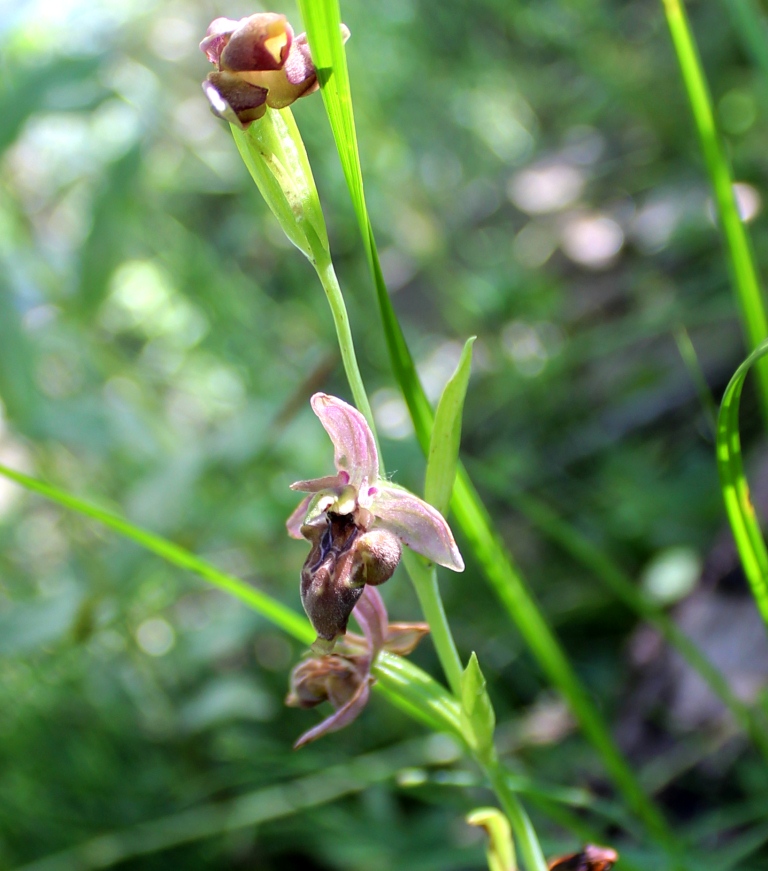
{"points": [[327, 275], [738, 249], [424, 577], [525, 834]]}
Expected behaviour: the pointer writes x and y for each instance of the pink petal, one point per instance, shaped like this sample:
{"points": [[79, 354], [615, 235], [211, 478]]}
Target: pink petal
{"points": [[371, 613], [417, 524], [298, 65], [330, 482], [353, 442], [341, 718], [294, 523], [216, 38]]}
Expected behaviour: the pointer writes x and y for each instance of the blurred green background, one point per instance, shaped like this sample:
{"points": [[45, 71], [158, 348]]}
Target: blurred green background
{"points": [[534, 179]]}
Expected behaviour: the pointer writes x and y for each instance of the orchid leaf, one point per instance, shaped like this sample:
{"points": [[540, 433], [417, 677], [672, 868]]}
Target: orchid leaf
{"points": [[443, 455], [477, 713]]}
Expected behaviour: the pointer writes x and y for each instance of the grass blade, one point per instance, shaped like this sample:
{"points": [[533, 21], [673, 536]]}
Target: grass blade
{"points": [[741, 514], [744, 276]]}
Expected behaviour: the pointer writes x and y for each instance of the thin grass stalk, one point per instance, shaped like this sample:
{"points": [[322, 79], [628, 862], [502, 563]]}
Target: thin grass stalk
{"points": [[424, 578], [746, 283]]}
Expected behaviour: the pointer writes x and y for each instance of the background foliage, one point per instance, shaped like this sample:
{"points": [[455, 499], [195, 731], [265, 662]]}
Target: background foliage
{"points": [[534, 179]]}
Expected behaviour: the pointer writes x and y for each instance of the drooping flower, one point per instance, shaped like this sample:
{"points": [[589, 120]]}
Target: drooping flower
{"points": [[356, 523], [591, 858], [259, 63], [344, 678]]}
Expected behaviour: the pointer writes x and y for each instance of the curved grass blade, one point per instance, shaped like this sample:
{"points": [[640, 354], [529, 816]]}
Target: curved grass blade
{"points": [[322, 21], [741, 514], [746, 283], [413, 689]]}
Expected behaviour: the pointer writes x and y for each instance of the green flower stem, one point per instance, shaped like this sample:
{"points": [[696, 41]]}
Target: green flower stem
{"points": [[424, 577], [327, 275], [738, 249], [525, 835]]}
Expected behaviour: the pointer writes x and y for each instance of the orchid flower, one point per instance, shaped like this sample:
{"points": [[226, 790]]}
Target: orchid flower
{"points": [[259, 63], [356, 522], [344, 678]]}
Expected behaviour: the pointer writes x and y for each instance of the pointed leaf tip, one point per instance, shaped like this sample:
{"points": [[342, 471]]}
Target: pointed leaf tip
{"points": [[443, 456]]}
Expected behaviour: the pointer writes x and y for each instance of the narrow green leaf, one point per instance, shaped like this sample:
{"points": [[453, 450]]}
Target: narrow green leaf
{"points": [[738, 249], [741, 513], [273, 151], [501, 851], [443, 455], [477, 716]]}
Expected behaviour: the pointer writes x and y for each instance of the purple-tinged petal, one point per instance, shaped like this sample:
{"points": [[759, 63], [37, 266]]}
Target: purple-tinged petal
{"points": [[326, 678], [353, 442], [298, 65], [417, 524], [216, 37], [234, 100], [260, 42], [330, 482], [341, 718], [402, 638], [371, 613], [294, 523]]}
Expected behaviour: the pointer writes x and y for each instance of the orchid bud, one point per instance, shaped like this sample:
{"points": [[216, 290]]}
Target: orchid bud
{"points": [[259, 63]]}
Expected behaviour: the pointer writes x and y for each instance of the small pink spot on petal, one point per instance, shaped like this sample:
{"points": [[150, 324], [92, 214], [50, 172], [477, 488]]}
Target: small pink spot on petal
{"points": [[372, 491], [344, 476]]}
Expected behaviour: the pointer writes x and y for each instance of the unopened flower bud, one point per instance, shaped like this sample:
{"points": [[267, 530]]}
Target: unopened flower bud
{"points": [[259, 63]]}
